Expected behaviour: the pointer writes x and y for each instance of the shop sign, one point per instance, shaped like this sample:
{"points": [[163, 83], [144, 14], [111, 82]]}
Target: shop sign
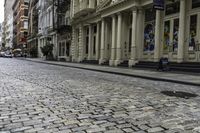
{"points": [[159, 4]]}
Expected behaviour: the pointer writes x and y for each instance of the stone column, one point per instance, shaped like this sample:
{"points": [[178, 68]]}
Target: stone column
{"points": [[90, 43], [181, 35], [113, 46], [119, 40], [102, 58], [157, 36], [91, 3], [140, 33], [132, 61], [97, 41], [98, 1]]}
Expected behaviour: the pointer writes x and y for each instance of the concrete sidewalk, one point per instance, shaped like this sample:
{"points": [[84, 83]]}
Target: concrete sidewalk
{"points": [[145, 74]]}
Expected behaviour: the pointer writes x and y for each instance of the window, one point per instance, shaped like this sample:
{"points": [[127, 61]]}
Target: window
{"points": [[87, 40], [87, 43], [193, 33], [25, 12], [67, 49], [60, 48], [149, 31], [175, 35], [95, 29], [95, 3], [94, 45], [195, 3], [25, 24], [130, 40], [166, 35], [150, 15], [172, 8]]}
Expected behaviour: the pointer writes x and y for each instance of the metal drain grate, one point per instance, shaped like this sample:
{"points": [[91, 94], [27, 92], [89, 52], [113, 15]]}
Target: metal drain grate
{"points": [[179, 94]]}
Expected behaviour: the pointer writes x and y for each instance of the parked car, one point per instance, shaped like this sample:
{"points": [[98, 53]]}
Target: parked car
{"points": [[8, 55], [2, 54], [17, 53]]}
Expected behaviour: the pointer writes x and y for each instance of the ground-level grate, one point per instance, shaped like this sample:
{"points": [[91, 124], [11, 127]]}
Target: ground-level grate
{"points": [[179, 94]]}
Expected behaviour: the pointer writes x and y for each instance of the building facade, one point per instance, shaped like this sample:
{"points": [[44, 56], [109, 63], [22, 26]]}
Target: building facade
{"points": [[32, 39], [118, 31], [54, 27], [8, 24], [1, 32], [46, 25], [63, 29], [20, 23]]}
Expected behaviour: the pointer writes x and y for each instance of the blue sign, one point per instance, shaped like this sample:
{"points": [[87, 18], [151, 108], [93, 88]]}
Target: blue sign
{"points": [[159, 4]]}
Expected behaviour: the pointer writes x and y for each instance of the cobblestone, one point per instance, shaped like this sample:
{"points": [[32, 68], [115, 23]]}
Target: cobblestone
{"points": [[53, 99]]}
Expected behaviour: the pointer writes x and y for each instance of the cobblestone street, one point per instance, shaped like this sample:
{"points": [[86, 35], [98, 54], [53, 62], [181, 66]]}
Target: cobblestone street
{"points": [[40, 98]]}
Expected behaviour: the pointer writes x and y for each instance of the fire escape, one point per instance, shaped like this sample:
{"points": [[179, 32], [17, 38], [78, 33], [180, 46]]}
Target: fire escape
{"points": [[63, 15]]}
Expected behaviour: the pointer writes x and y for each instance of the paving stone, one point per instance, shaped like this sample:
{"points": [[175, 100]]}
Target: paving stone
{"points": [[128, 130], [155, 129], [44, 98], [33, 130], [21, 129]]}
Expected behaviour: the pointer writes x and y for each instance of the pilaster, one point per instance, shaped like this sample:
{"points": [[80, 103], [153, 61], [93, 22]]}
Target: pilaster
{"points": [[157, 36], [113, 47], [90, 43], [119, 41], [181, 35], [132, 60], [97, 41], [102, 58]]}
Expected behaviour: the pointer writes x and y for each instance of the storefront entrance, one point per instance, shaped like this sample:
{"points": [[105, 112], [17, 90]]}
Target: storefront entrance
{"points": [[170, 40], [194, 37], [192, 32], [64, 50]]}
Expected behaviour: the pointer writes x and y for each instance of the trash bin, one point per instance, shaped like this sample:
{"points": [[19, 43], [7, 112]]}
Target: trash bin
{"points": [[163, 64]]}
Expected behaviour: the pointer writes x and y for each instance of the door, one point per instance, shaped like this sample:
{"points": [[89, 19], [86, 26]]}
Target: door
{"points": [[170, 38], [194, 38]]}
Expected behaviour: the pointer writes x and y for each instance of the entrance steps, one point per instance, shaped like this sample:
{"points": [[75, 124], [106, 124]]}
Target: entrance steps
{"points": [[106, 63], [90, 62], [124, 64], [193, 67]]}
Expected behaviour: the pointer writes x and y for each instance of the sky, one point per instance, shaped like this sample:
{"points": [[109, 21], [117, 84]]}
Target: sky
{"points": [[1, 11]]}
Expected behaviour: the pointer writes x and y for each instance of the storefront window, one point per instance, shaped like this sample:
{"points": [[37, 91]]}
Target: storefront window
{"points": [[193, 32], [172, 8], [175, 35], [149, 31], [67, 49], [63, 49], [150, 15], [166, 36], [87, 41], [60, 49], [195, 3]]}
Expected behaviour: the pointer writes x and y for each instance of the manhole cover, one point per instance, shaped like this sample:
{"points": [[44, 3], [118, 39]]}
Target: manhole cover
{"points": [[180, 94]]}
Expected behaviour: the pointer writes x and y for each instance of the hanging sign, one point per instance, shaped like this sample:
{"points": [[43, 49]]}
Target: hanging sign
{"points": [[159, 4]]}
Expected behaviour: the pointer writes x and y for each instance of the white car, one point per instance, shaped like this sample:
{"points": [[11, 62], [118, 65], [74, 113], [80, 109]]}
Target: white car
{"points": [[2, 54], [8, 55]]}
